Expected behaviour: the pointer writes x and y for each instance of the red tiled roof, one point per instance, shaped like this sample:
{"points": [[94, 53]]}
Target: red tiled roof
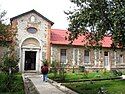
{"points": [[106, 42], [60, 37]]}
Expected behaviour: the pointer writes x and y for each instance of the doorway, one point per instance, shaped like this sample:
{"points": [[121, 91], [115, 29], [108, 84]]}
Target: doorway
{"points": [[30, 60], [106, 58]]}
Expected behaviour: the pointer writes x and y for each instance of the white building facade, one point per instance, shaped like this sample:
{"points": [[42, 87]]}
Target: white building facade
{"points": [[33, 36]]}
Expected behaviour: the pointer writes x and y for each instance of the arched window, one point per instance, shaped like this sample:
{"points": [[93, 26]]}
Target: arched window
{"points": [[32, 18], [32, 30]]}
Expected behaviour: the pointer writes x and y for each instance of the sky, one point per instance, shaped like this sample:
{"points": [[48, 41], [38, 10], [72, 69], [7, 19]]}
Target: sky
{"points": [[51, 9]]}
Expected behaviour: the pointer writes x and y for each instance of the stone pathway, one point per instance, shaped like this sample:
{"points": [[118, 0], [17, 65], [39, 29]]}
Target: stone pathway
{"points": [[49, 87]]}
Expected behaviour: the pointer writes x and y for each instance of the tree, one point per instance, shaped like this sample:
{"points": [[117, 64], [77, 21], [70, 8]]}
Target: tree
{"points": [[7, 33], [8, 40], [9, 61], [98, 18]]}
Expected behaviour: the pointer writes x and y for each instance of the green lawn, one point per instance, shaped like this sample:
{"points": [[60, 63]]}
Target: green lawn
{"points": [[82, 76], [17, 86], [111, 86], [84, 83]]}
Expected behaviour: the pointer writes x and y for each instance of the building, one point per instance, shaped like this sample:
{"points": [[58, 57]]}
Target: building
{"points": [[37, 41], [33, 34]]}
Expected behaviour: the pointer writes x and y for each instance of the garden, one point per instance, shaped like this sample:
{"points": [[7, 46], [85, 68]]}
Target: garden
{"points": [[85, 82], [11, 81], [98, 87], [85, 76], [11, 84]]}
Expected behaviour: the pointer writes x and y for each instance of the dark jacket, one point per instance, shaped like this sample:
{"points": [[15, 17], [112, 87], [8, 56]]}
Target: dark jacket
{"points": [[44, 70]]}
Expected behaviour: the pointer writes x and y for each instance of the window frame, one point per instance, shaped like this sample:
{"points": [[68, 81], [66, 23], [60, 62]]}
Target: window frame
{"points": [[106, 58], [121, 58], [85, 55], [63, 54], [31, 28], [32, 18]]}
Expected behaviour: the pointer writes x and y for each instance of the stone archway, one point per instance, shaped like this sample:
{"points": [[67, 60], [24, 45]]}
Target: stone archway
{"points": [[30, 54], [30, 43]]}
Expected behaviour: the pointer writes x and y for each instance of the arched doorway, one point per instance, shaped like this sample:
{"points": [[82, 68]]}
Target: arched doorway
{"points": [[30, 54]]}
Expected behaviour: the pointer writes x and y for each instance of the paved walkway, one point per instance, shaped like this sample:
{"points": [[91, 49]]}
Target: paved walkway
{"points": [[49, 87]]}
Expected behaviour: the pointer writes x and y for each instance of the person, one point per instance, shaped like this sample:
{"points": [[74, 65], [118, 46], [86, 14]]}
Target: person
{"points": [[44, 71]]}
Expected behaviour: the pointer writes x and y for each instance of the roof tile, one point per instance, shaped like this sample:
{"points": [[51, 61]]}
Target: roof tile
{"points": [[61, 37]]}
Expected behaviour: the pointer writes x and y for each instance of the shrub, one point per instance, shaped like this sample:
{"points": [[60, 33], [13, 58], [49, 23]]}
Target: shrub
{"points": [[54, 68], [82, 68], [46, 62], [11, 84], [9, 64], [58, 69], [117, 72]]}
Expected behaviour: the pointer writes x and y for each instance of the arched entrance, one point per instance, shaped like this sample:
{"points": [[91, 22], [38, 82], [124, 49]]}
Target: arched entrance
{"points": [[30, 52]]}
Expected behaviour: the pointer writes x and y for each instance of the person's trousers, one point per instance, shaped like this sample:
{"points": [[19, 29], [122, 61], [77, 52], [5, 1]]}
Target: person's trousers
{"points": [[45, 77]]}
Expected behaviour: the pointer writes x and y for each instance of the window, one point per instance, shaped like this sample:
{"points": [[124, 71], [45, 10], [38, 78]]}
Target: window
{"points": [[86, 56], [120, 58], [117, 58], [106, 58], [63, 56], [32, 18], [32, 30], [105, 53]]}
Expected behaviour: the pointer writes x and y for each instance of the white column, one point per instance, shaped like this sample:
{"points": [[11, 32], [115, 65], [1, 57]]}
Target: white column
{"points": [[23, 60], [40, 59], [20, 59], [37, 61], [51, 54]]}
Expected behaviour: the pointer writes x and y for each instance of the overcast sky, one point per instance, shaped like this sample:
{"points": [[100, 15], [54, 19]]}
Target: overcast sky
{"points": [[51, 9]]}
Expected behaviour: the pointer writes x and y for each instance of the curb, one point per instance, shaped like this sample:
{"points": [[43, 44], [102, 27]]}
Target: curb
{"points": [[29, 86], [61, 87]]}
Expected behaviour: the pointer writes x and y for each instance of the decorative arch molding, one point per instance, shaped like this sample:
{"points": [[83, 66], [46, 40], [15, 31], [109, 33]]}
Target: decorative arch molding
{"points": [[30, 43]]}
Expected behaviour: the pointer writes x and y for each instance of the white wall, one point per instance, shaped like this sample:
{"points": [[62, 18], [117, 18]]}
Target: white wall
{"points": [[42, 30]]}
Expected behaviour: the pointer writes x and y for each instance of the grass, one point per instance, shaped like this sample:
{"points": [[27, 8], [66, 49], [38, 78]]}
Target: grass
{"points": [[111, 86], [76, 81], [82, 76], [17, 86]]}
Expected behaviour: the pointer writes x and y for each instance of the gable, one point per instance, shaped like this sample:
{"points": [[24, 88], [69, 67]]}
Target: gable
{"points": [[32, 11]]}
